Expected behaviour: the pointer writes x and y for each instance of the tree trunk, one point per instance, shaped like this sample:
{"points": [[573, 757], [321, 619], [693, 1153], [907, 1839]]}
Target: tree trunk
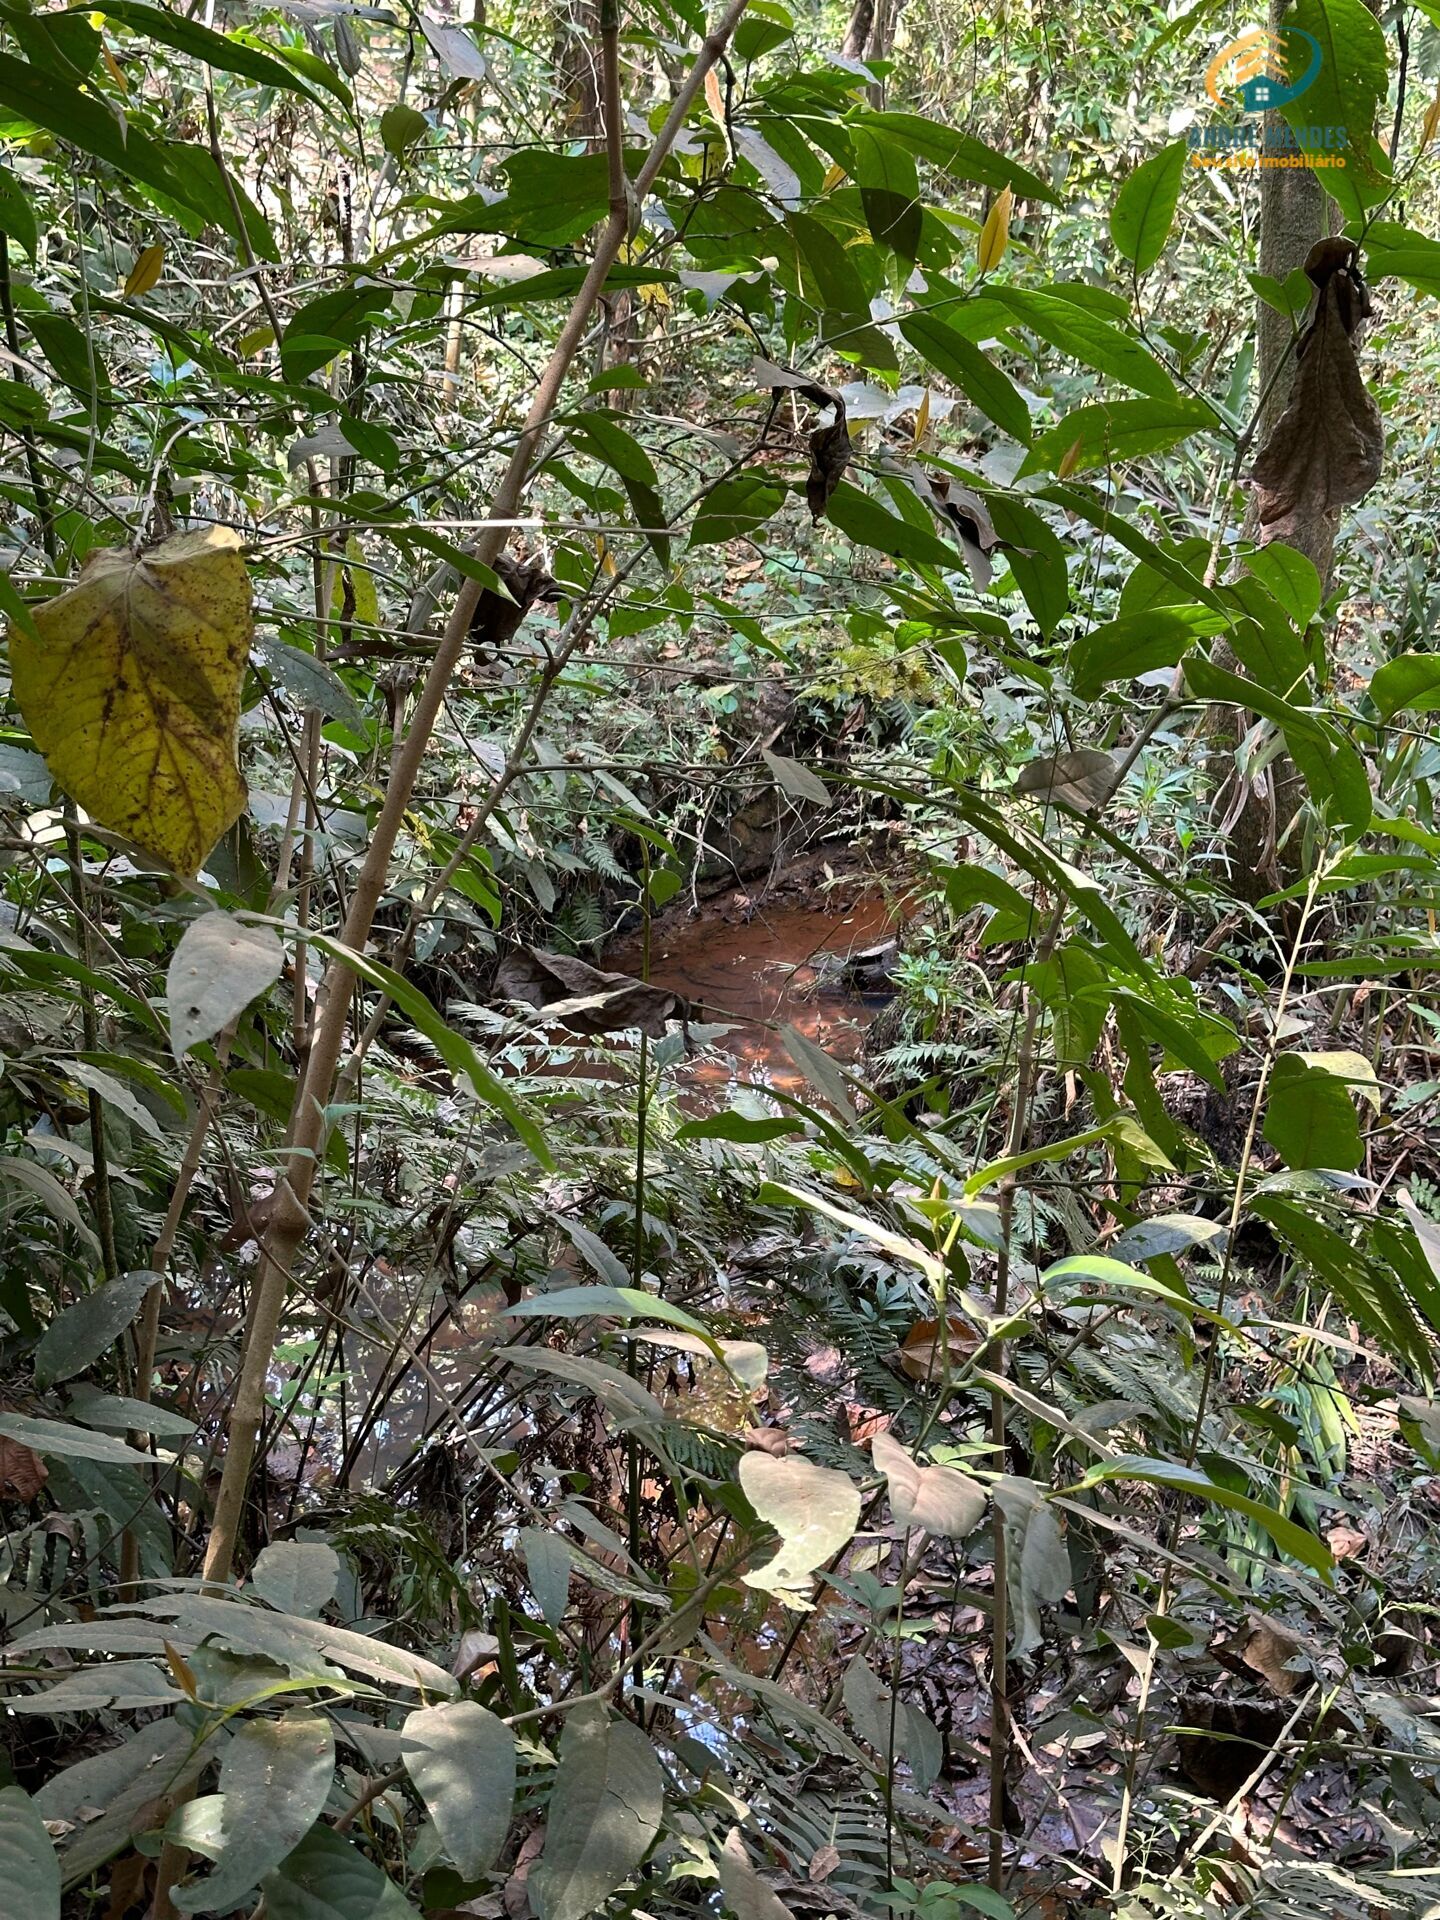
{"points": [[1295, 212]]}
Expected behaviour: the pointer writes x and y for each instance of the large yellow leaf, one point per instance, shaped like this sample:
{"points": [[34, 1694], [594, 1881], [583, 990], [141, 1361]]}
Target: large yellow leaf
{"points": [[131, 690]]}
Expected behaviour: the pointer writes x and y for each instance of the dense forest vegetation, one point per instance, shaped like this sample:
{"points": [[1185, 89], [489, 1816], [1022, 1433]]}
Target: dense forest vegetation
{"points": [[720, 1039]]}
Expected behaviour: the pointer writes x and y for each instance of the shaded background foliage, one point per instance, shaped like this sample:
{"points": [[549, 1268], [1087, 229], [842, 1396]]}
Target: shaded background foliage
{"points": [[996, 1474]]}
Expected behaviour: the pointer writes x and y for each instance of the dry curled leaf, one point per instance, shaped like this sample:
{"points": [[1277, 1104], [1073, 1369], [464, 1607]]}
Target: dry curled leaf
{"points": [[130, 686], [582, 998], [921, 1355], [1082, 779], [22, 1472], [1327, 448], [829, 445]]}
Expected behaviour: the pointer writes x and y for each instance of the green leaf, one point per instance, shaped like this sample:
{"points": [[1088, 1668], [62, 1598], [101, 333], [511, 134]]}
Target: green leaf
{"points": [[977, 376], [1310, 1117], [1144, 209], [1085, 337], [1397, 252], [181, 173], [400, 128], [1137, 643], [89, 1327], [604, 1812], [325, 1878], [620, 1303], [743, 1128], [462, 1760], [1110, 431], [734, 508], [314, 686], [815, 1511], [297, 1576], [454, 1049], [547, 1567], [1036, 1560], [274, 1781], [219, 966], [1289, 578], [1411, 681], [323, 327], [17, 217], [29, 1871], [963, 155], [874, 526], [1290, 1538], [218, 50], [884, 171], [1349, 85]]}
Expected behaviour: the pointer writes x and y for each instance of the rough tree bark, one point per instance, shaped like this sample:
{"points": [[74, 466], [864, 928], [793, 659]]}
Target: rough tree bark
{"points": [[1295, 212]]}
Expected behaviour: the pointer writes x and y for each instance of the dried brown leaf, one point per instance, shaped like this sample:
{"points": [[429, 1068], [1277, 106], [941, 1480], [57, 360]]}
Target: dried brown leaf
{"points": [[22, 1472], [1327, 448], [582, 998]]}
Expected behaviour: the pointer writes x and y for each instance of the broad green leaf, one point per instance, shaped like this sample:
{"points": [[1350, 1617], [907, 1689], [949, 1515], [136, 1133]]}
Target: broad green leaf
{"points": [[310, 682], [977, 376], [1144, 209], [116, 1413], [746, 1895], [743, 1128], [1287, 1535], [942, 1500], [884, 171], [604, 1812], [29, 1871], [585, 1303], [1036, 1561], [962, 155], [219, 966], [462, 1760], [1411, 682], [274, 1782], [454, 1049], [180, 172], [815, 1511], [17, 216], [70, 1443], [796, 779], [1289, 578], [401, 127], [1310, 1118], [1398, 252], [89, 1327], [296, 1576], [1111, 431], [1085, 337], [874, 526], [326, 1878], [1137, 643], [893, 1727], [735, 507], [1350, 83], [218, 50], [547, 1567], [132, 691]]}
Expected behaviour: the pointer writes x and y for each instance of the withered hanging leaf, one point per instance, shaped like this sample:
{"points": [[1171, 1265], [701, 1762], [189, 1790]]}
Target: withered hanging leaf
{"points": [[1327, 448], [582, 998], [829, 445], [829, 457], [22, 1472], [130, 686], [963, 513], [1082, 779]]}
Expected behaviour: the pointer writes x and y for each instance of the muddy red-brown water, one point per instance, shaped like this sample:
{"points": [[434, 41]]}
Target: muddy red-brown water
{"points": [[772, 969]]}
